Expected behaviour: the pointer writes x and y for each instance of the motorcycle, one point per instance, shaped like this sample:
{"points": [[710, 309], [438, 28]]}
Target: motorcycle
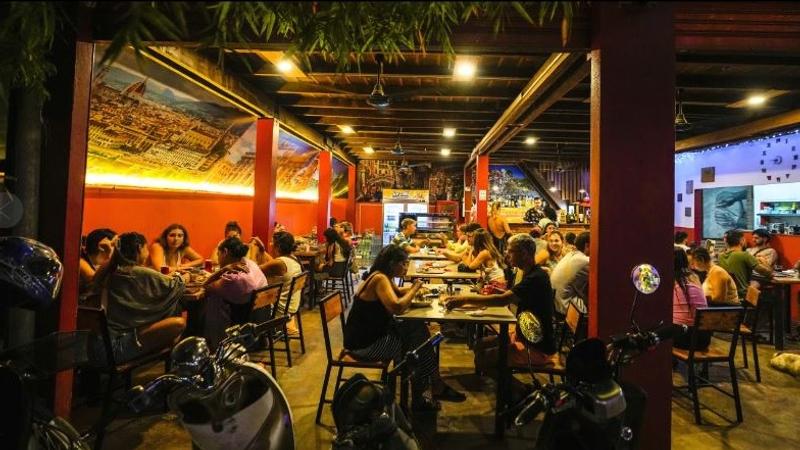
{"points": [[223, 400], [366, 415], [592, 408]]}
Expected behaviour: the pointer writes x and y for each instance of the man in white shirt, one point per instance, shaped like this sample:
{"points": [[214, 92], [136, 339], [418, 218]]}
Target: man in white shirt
{"points": [[570, 278]]}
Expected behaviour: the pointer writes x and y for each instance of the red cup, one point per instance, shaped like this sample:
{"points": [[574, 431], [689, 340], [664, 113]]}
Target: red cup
{"points": [[165, 270], [208, 266]]}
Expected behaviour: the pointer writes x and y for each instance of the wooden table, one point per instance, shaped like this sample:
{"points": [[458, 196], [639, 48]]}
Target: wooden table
{"points": [[490, 315], [781, 305], [427, 256], [449, 275]]}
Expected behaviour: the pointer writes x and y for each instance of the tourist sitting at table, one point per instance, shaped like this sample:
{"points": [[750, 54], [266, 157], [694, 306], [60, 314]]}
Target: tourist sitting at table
{"points": [[740, 264], [372, 334], [337, 250], [687, 296], [498, 227], [456, 247], [718, 286], [550, 257], [172, 250], [761, 249], [96, 252], [346, 230], [484, 256], [533, 293], [257, 250], [228, 288], [282, 269], [570, 277], [142, 306], [468, 233], [680, 240], [403, 238], [547, 226], [569, 242]]}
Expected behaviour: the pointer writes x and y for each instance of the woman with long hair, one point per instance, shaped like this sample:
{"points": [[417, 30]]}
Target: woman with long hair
{"points": [[142, 305], [718, 286], [372, 334], [555, 250], [172, 250], [228, 287], [282, 269], [687, 296], [96, 252], [498, 227], [485, 256], [337, 250]]}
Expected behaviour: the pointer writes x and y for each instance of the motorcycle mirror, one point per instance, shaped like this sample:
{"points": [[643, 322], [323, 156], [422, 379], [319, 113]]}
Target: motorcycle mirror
{"points": [[645, 278], [530, 327]]}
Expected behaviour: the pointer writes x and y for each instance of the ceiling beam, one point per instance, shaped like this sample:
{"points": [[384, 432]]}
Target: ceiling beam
{"points": [[354, 91], [426, 106], [561, 73], [390, 113], [741, 83], [740, 132]]}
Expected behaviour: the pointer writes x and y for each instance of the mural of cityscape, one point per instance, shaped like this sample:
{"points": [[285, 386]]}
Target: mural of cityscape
{"points": [[339, 186], [509, 184], [376, 175], [149, 128]]}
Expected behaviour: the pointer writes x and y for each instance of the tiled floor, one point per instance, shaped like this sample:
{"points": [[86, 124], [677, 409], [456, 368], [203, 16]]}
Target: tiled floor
{"points": [[771, 409]]}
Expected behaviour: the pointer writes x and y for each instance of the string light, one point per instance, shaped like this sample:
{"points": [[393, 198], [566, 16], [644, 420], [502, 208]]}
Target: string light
{"points": [[690, 155]]}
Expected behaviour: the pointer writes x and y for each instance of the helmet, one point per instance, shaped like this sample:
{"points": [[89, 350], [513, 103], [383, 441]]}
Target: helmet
{"points": [[30, 273]]}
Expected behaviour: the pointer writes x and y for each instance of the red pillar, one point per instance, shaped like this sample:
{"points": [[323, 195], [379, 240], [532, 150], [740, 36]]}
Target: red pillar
{"points": [[482, 186], [632, 173], [324, 187], [468, 195], [351, 195], [265, 180], [62, 184]]}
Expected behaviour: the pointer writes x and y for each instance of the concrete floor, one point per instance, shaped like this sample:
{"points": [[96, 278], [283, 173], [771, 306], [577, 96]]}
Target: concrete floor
{"points": [[770, 408]]}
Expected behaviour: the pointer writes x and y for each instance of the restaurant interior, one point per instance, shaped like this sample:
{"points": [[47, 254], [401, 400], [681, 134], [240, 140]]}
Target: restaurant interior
{"points": [[624, 125]]}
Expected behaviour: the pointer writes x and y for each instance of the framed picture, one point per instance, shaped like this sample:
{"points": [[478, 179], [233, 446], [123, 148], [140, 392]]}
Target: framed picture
{"points": [[690, 187], [726, 208], [707, 174], [680, 198], [687, 211]]}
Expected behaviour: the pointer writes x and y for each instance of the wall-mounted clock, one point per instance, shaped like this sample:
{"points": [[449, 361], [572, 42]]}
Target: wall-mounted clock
{"points": [[778, 162]]}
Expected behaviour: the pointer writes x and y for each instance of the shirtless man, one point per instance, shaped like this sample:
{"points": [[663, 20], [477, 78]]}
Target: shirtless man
{"points": [[498, 227]]}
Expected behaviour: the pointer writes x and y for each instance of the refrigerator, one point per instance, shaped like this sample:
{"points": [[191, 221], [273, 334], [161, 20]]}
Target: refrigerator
{"points": [[396, 201]]}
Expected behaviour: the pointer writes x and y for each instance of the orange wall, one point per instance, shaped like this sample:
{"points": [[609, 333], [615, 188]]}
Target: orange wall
{"points": [[339, 209], [369, 216], [204, 215]]}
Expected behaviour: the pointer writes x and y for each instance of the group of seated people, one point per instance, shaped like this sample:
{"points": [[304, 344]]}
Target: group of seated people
{"points": [[704, 279], [142, 286], [549, 275]]}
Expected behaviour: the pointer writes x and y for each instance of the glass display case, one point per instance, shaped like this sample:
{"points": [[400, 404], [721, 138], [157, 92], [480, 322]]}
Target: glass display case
{"points": [[429, 224]]}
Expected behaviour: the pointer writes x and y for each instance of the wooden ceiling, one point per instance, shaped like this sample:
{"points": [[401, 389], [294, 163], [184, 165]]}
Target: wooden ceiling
{"points": [[713, 83]]}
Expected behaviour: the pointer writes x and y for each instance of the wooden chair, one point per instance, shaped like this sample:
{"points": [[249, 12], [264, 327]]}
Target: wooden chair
{"points": [[573, 323], [749, 326], [263, 306], [95, 320], [330, 307], [298, 284], [723, 320], [339, 278]]}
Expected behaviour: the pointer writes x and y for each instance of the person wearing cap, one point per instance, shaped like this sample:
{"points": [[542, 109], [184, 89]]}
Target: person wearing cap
{"points": [[765, 254]]}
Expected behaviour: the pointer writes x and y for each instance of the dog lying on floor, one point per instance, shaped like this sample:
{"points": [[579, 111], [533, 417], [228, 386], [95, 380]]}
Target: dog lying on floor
{"points": [[786, 362]]}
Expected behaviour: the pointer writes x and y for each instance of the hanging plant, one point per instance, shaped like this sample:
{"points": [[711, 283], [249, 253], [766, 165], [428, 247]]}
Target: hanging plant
{"points": [[343, 32]]}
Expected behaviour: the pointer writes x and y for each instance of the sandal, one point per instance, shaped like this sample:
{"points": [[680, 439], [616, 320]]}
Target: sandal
{"points": [[425, 404], [448, 394]]}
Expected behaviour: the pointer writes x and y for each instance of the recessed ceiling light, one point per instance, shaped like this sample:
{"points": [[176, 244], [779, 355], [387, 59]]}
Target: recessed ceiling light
{"points": [[530, 140], [756, 100], [445, 152], [449, 132], [464, 70], [553, 188], [346, 129], [284, 66], [368, 150]]}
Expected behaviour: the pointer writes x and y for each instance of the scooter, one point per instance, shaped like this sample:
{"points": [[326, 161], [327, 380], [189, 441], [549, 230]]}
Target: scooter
{"points": [[593, 409], [366, 415], [223, 400]]}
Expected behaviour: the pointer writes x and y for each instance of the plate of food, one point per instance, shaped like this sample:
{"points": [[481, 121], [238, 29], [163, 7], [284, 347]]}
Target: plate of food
{"points": [[434, 270]]}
